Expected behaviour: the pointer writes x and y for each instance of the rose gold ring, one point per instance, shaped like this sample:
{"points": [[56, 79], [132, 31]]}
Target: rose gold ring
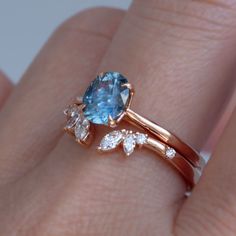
{"points": [[167, 137], [107, 102]]}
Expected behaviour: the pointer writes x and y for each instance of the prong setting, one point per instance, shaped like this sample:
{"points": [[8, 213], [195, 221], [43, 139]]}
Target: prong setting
{"points": [[111, 122], [100, 93]]}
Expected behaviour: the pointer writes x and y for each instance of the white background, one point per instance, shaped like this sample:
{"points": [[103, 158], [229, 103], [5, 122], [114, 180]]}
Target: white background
{"points": [[26, 24]]}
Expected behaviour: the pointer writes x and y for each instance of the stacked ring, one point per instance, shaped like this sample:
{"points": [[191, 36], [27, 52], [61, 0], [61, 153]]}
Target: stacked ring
{"points": [[107, 101]]}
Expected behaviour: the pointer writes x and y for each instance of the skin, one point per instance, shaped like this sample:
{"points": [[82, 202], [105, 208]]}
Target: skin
{"points": [[180, 56]]}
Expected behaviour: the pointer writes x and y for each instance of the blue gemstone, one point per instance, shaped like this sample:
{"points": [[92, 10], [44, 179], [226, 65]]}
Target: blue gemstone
{"points": [[106, 97]]}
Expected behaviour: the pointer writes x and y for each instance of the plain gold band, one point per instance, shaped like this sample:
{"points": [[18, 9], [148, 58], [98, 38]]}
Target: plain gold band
{"points": [[190, 173]]}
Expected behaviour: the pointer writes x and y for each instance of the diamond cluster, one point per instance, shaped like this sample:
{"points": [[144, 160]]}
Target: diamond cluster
{"points": [[77, 123], [128, 139]]}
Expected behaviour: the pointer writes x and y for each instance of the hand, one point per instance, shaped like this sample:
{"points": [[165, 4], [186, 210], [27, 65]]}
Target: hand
{"points": [[180, 55]]}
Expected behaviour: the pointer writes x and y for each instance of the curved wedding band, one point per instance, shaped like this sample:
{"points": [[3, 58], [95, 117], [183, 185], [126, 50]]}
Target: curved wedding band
{"points": [[167, 137], [107, 102], [190, 173]]}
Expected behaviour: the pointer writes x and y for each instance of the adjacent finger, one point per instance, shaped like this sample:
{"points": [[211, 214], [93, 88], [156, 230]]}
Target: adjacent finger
{"points": [[211, 209], [5, 88], [32, 121]]}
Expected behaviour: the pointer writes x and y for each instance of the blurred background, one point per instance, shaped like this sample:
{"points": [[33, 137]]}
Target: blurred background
{"points": [[25, 25]]}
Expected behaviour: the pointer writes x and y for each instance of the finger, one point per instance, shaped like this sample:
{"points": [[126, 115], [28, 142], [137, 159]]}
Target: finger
{"points": [[5, 88], [182, 66], [211, 210], [179, 57], [178, 68], [32, 121]]}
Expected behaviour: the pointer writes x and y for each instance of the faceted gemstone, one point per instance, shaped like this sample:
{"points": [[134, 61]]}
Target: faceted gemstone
{"points": [[170, 153], [82, 126], [73, 116], [82, 129], [129, 144], [111, 140], [106, 97], [72, 121], [80, 132], [141, 138], [71, 110]]}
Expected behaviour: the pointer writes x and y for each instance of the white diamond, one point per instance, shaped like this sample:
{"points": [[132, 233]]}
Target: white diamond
{"points": [[170, 153], [82, 129], [129, 144], [73, 115], [141, 138], [85, 123], [80, 132], [111, 140], [72, 121], [71, 110]]}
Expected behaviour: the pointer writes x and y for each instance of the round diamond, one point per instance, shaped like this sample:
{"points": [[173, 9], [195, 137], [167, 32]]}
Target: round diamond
{"points": [[141, 138], [107, 96], [170, 152]]}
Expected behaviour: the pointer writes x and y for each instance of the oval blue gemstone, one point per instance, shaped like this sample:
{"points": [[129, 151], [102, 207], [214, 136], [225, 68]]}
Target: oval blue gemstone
{"points": [[106, 96]]}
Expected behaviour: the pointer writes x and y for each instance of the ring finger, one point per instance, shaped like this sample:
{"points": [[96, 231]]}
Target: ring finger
{"points": [[183, 74]]}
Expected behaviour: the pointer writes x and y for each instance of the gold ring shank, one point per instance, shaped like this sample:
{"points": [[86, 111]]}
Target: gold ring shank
{"points": [[190, 173], [168, 138]]}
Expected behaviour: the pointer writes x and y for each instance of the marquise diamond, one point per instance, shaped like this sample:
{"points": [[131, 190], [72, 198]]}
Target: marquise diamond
{"points": [[111, 140], [74, 116], [82, 129], [128, 139], [72, 121], [129, 144]]}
